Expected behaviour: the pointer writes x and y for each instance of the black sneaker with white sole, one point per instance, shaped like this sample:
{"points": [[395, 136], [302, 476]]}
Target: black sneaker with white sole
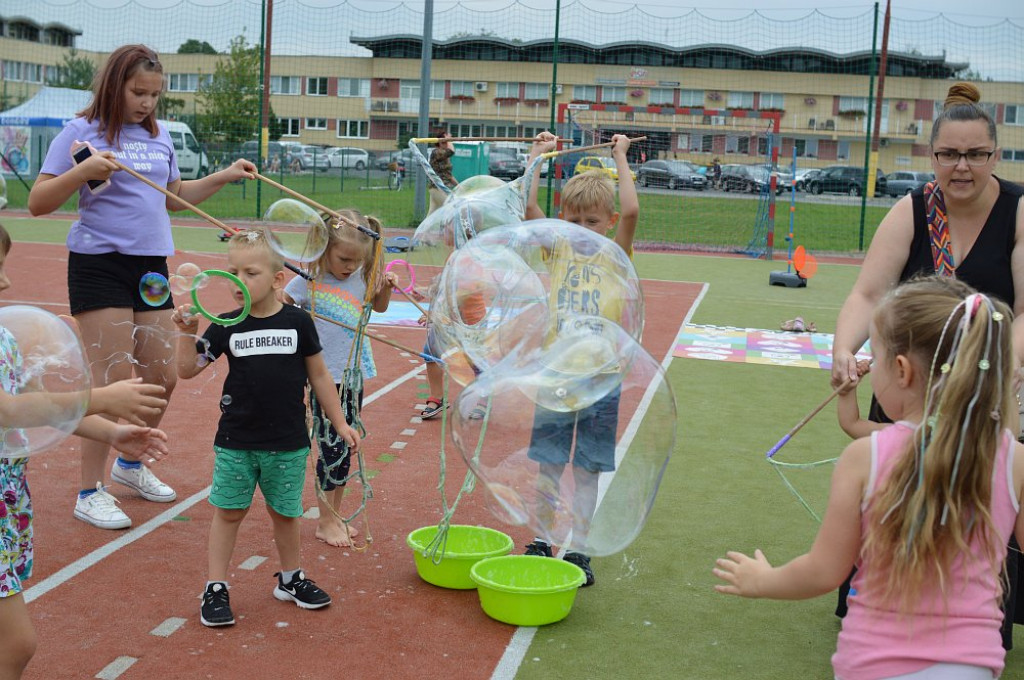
{"points": [[216, 607], [302, 591]]}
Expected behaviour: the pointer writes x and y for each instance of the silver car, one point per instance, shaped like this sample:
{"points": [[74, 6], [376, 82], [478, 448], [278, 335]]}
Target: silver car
{"points": [[903, 182]]}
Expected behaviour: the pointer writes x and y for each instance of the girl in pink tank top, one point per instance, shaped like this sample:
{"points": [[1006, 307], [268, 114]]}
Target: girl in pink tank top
{"points": [[923, 508]]}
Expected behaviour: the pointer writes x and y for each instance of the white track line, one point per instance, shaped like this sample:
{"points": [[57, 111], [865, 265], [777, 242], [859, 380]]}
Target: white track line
{"points": [[512, 659], [64, 575]]}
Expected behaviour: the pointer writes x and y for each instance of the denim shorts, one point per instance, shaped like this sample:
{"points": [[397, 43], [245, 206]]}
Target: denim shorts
{"points": [[279, 474], [594, 428]]}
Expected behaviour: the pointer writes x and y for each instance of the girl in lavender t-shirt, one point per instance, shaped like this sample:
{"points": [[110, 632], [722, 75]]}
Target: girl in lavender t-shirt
{"points": [[122, 233]]}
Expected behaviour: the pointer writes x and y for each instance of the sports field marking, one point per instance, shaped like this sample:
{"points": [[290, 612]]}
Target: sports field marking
{"points": [[75, 568], [512, 659]]}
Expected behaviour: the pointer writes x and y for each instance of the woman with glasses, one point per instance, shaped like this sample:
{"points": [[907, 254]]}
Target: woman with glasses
{"points": [[967, 224]]}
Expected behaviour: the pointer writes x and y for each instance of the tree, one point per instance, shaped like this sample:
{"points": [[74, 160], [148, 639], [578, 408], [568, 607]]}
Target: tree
{"points": [[193, 46], [231, 99], [75, 72]]}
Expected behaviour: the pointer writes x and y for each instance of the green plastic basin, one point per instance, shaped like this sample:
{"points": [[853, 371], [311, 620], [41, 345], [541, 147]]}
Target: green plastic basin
{"points": [[526, 590], [466, 545]]}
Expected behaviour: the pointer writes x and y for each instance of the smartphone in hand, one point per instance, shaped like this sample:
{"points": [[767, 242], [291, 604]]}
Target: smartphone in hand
{"points": [[78, 155]]}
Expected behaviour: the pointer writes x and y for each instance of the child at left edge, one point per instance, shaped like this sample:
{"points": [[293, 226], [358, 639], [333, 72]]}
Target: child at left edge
{"points": [[261, 438], [341, 277]]}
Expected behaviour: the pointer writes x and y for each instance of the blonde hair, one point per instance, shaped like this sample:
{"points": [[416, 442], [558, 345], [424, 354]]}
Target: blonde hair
{"points": [[256, 239], [588, 190], [343, 232], [962, 105], [937, 498]]}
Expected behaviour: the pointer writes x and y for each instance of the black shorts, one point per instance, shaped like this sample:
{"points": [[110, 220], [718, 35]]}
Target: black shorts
{"points": [[111, 280]]}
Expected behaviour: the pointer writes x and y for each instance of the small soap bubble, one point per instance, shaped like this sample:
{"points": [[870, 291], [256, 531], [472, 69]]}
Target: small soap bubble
{"points": [[154, 288]]}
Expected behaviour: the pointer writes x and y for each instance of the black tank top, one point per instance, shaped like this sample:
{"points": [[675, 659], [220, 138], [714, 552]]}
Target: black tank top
{"points": [[987, 265]]}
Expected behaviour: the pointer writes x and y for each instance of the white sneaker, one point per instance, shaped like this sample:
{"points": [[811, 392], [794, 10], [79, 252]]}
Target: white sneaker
{"points": [[100, 510], [142, 480]]}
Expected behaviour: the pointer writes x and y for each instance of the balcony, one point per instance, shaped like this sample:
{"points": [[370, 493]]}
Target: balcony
{"points": [[384, 105]]}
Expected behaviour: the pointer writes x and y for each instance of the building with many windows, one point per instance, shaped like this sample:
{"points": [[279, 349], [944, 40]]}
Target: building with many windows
{"points": [[486, 86]]}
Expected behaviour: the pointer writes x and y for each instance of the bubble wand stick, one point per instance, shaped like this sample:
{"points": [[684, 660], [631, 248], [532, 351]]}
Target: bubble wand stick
{"points": [[319, 206], [206, 216], [806, 419], [377, 338]]}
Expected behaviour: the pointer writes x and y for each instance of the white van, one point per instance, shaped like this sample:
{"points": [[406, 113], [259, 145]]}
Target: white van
{"points": [[192, 161]]}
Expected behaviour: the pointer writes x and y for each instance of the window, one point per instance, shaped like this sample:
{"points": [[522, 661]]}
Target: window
{"points": [[1013, 114], [987, 107], [613, 94], [529, 131], [23, 71], [33, 73], [661, 96], [691, 98], [437, 89], [285, 85], [507, 90], [289, 127], [316, 87], [772, 100], [186, 82], [587, 93], [462, 88], [353, 87], [740, 100], [739, 145], [466, 130], [843, 151], [500, 131], [853, 104], [316, 123], [538, 90], [353, 129]]}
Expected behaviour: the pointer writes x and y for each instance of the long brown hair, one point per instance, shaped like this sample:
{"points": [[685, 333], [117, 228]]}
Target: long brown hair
{"points": [[107, 103], [937, 499]]}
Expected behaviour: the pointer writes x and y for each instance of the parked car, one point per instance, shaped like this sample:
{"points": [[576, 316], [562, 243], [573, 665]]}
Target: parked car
{"points": [[306, 156], [750, 178], [347, 157], [602, 163], [192, 160], [804, 176], [504, 162], [844, 179], [671, 174], [250, 150], [904, 181]]}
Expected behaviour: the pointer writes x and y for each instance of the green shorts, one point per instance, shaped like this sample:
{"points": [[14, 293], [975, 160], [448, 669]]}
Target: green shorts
{"points": [[281, 476]]}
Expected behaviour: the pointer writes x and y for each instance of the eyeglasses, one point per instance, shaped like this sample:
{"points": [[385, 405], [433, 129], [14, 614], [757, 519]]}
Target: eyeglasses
{"points": [[949, 158]]}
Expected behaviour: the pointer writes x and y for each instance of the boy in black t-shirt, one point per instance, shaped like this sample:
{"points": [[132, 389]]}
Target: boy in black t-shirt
{"points": [[262, 437]]}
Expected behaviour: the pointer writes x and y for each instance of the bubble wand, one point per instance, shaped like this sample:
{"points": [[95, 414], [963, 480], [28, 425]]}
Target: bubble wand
{"points": [[319, 206], [206, 216], [397, 346]]}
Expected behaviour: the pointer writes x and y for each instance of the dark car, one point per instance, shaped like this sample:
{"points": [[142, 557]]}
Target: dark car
{"points": [[844, 179], [384, 160], [804, 177], [749, 178], [505, 162], [250, 150], [671, 174], [903, 182]]}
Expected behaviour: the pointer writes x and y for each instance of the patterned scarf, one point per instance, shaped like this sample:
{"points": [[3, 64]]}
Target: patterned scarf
{"points": [[938, 231]]}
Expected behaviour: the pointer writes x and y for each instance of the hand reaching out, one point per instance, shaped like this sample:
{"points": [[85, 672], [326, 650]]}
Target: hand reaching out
{"points": [[741, 573], [137, 443], [132, 400]]}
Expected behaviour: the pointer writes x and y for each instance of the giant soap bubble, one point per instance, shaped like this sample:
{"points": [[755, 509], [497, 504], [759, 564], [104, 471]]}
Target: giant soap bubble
{"points": [[582, 478], [488, 304], [295, 231], [45, 375], [3, 192]]}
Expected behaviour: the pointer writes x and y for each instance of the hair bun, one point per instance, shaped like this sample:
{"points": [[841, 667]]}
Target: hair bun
{"points": [[962, 93]]}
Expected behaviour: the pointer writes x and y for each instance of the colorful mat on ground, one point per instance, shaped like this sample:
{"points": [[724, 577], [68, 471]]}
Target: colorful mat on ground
{"points": [[757, 346], [399, 313]]}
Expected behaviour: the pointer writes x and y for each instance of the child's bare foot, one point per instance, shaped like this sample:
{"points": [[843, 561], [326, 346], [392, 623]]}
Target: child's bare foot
{"points": [[352, 531], [334, 534]]}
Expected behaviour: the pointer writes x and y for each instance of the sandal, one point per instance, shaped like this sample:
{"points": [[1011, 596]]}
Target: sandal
{"points": [[434, 407], [795, 325]]}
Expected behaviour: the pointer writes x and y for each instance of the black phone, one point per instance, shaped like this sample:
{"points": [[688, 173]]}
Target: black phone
{"points": [[79, 155]]}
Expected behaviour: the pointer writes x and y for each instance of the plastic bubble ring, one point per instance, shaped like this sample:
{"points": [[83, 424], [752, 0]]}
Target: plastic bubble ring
{"points": [[198, 307], [408, 267]]}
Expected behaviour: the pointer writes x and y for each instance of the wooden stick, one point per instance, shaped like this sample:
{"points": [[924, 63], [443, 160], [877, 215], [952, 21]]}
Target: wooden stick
{"points": [[335, 215], [435, 140], [170, 194], [209, 218], [369, 335], [577, 149], [806, 419]]}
